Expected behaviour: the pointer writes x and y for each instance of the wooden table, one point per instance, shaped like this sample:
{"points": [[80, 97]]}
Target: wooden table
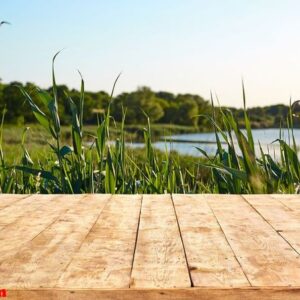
{"points": [[150, 247]]}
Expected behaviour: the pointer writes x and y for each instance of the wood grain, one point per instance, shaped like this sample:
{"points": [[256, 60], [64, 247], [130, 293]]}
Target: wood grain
{"points": [[211, 260], [159, 259], [28, 218], [291, 201], [7, 199], [105, 257], [159, 294], [41, 261], [24, 206], [282, 218], [150, 247], [278, 215], [266, 258]]}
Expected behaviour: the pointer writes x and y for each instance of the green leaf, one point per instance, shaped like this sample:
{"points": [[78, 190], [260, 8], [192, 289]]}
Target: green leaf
{"points": [[110, 180], [65, 150], [39, 115], [36, 172]]}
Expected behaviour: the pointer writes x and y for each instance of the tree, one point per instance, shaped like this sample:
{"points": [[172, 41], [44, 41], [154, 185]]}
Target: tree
{"points": [[135, 103], [188, 110], [13, 100]]}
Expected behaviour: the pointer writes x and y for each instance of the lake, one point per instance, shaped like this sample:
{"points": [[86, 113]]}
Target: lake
{"points": [[187, 143]]}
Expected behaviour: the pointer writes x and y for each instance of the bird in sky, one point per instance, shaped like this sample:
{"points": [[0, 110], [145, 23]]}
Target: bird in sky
{"points": [[4, 22]]}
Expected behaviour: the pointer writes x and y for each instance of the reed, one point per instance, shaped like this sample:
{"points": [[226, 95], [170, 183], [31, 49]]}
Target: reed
{"points": [[238, 168], [108, 166]]}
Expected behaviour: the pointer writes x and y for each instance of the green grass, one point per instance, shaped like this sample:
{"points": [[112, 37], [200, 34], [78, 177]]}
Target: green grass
{"points": [[251, 172], [50, 158], [40, 152]]}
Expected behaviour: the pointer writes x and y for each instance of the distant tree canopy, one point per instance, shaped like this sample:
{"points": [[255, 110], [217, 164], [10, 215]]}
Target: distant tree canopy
{"points": [[162, 107]]}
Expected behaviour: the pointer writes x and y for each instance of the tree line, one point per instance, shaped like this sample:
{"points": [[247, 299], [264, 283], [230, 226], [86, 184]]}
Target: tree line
{"points": [[162, 107]]}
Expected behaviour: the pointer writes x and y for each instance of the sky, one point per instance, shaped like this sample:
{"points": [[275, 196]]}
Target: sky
{"points": [[180, 46]]}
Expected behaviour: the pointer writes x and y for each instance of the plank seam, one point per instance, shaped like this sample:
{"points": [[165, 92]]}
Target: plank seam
{"points": [[44, 229], [289, 208], [8, 224], [136, 240], [71, 260], [277, 232], [180, 234], [16, 200], [229, 244]]}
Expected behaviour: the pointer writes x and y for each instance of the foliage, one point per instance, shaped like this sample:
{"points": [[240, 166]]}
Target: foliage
{"points": [[160, 107], [237, 168], [106, 165], [103, 167]]}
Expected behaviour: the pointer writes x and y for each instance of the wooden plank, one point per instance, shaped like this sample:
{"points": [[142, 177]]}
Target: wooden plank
{"points": [[291, 201], [81, 248], [159, 259], [282, 218], [8, 199], [250, 293], [42, 212], [211, 260], [25, 206], [264, 256], [41, 261], [105, 257]]}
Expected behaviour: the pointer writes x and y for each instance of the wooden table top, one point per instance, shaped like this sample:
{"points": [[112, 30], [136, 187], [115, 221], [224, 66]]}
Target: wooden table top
{"points": [[150, 246]]}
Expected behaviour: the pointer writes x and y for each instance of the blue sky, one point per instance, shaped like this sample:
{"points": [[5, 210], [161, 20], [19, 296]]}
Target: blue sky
{"points": [[182, 46]]}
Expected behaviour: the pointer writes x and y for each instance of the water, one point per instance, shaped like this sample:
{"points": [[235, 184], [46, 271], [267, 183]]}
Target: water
{"points": [[264, 136]]}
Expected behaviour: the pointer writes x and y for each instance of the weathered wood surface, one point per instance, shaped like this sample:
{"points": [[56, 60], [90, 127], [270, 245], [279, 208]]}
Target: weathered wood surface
{"points": [[150, 247], [210, 258], [159, 259]]}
